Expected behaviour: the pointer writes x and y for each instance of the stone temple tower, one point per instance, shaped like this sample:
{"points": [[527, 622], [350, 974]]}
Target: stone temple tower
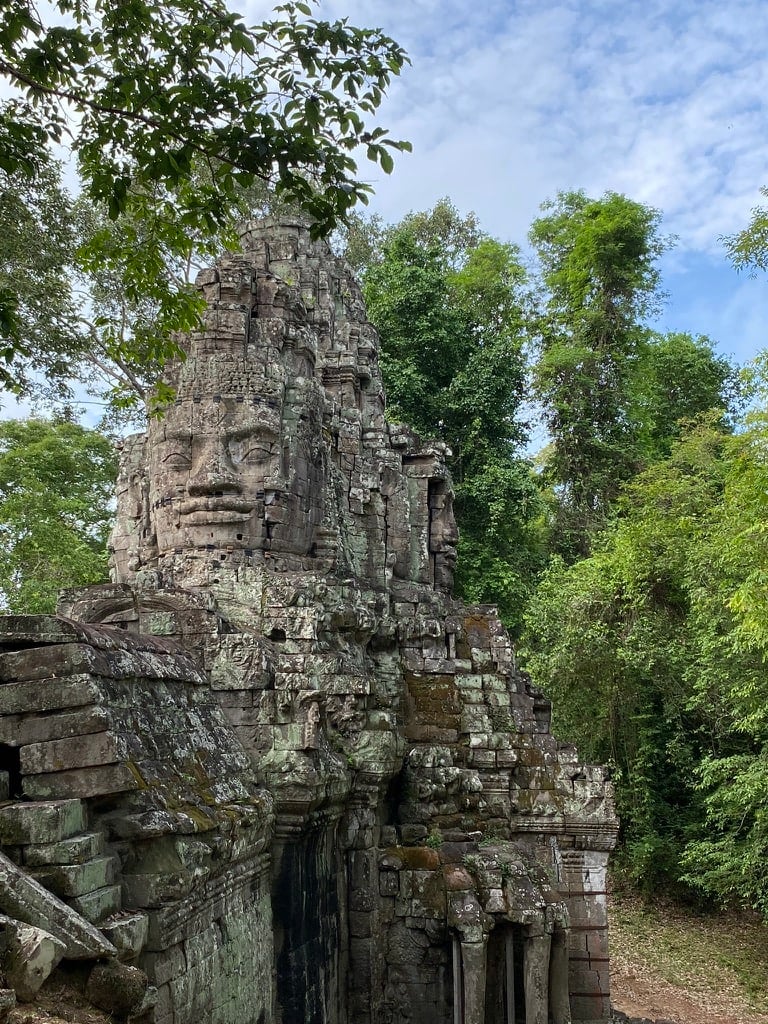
{"points": [[321, 787]]}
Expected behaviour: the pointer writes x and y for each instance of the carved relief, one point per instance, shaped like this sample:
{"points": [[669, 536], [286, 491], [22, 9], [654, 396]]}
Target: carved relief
{"points": [[295, 553]]}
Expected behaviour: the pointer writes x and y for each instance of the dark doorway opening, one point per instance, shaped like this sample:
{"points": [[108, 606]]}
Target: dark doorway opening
{"points": [[504, 979], [10, 762]]}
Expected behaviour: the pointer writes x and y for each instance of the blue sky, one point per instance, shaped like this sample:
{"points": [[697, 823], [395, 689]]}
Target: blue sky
{"points": [[508, 102]]}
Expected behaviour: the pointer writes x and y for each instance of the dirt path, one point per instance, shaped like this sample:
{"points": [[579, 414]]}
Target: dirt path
{"points": [[669, 965], [656, 999]]}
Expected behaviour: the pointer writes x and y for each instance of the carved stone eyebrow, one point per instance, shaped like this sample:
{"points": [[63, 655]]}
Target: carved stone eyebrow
{"points": [[251, 429]]}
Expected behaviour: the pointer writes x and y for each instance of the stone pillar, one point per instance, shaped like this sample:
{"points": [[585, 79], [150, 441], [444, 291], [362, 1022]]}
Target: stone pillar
{"points": [[458, 985], [509, 970], [536, 975], [473, 973], [559, 1001], [589, 982]]}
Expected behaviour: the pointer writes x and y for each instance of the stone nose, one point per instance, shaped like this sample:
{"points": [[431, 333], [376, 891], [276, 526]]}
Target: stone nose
{"points": [[213, 472]]}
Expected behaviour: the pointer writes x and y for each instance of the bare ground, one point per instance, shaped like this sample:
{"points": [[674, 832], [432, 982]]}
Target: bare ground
{"points": [[674, 964]]}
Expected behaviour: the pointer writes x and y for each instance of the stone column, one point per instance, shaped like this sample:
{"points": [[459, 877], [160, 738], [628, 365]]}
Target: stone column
{"points": [[536, 975], [458, 986], [509, 970], [559, 1000], [589, 982], [473, 972]]}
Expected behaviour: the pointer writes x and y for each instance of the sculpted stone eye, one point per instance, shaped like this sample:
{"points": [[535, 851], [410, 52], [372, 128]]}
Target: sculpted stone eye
{"points": [[250, 453], [177, 460]]}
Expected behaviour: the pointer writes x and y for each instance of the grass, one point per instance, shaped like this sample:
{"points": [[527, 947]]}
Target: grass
{"points": [[722, 954]]}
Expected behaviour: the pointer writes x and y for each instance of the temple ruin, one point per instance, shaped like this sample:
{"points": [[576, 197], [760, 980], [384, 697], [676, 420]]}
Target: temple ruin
{"points": [[274, 773]]}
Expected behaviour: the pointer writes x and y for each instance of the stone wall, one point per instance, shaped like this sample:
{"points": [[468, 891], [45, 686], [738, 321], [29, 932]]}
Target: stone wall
{"points": [[320, 780]]}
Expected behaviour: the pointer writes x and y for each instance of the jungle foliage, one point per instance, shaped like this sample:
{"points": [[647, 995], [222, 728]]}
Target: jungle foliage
{"points": [[449, 303], [57, 484], [171, 108]]}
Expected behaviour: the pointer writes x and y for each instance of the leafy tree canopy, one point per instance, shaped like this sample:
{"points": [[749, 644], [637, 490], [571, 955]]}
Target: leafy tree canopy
{"points": [[448, 301], [146, 93], [620, 641], [56, 510], [40, 329], [599, 277], [675, 378]]}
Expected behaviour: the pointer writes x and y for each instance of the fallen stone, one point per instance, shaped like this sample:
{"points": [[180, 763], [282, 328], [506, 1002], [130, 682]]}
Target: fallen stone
{"points": [[25, 899], [7, 1002], [30, 956], [116, 988], [127, 933]]}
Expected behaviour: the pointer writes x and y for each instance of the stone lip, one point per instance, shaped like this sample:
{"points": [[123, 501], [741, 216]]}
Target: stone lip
{"points": [[21, 630]]}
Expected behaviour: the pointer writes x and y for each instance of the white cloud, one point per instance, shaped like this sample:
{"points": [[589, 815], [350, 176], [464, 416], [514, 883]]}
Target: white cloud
{"points": [[508, 102]]}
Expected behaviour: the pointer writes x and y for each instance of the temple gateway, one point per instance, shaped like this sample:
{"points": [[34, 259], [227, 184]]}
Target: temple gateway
{"points": [[274, 773]]}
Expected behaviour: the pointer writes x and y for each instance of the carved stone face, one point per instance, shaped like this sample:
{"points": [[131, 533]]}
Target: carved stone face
{"points": [[236, 464], [443, 537]]}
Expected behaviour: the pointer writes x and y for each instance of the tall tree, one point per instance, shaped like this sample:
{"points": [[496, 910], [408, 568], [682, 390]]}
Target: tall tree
{"points": [[624, 639], [448, 303], [56, 493], [144, 92], [598, 269], [41, 332], [675, 378]]}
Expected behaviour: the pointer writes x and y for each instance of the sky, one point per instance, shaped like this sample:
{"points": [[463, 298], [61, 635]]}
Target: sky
{"points": [[506, 103]]}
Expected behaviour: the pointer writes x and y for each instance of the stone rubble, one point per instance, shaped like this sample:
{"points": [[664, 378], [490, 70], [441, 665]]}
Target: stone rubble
{"points": [[274, 766]]}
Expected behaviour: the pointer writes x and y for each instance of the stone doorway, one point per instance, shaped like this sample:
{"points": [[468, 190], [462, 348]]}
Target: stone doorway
{"points": [[504, 979]]}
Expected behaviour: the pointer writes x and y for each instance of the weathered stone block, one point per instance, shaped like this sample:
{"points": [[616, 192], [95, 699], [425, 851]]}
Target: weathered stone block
{"points": [[49, 666], [44, 821], [457, 878], [73, 752], [389, 883], [153, 890], [97, 905], [127, 933], [413, 833], [84, 782], [162, 967], [20, 730], [428, 895], [30, 956], [75, 850], [77, 879]]}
